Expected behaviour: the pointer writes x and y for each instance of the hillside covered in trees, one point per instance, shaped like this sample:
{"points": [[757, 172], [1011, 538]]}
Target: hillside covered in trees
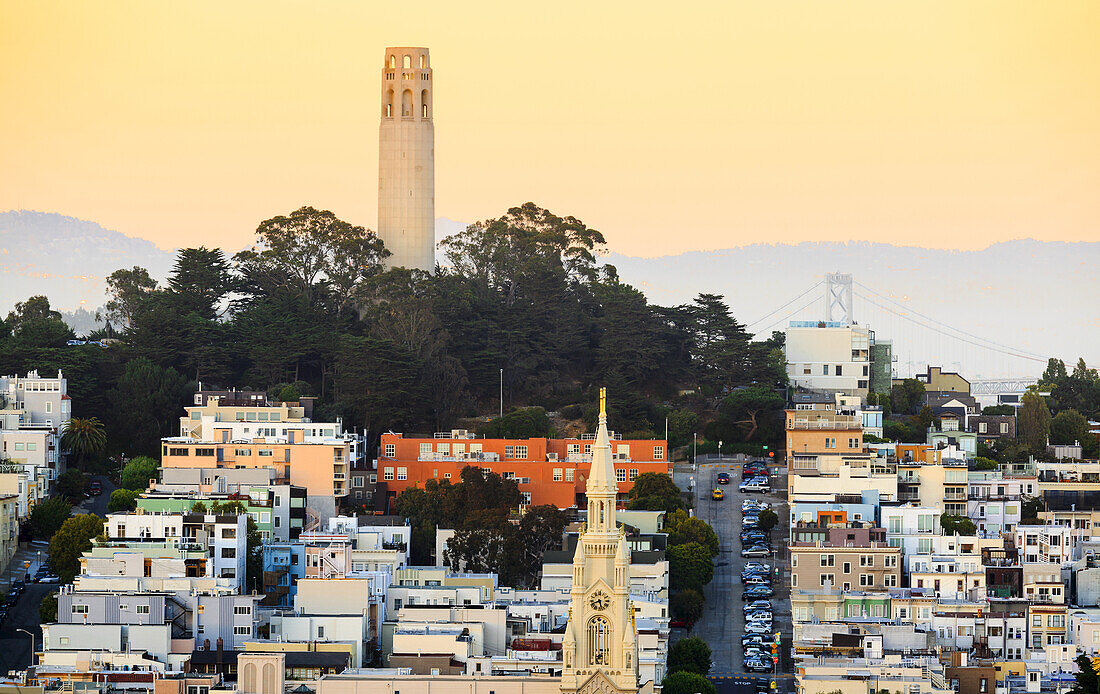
{"points": [[311, 310]]}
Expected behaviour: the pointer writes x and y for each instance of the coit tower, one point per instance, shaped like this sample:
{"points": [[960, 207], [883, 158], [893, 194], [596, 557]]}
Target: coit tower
{"points": [[406, 160]]}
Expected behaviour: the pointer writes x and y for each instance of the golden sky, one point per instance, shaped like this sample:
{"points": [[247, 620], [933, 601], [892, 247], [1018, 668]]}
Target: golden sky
{"points": [[668, 126]]}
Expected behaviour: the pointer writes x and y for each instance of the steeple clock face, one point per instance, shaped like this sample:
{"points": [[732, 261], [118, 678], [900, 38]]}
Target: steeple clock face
{"points": [[599, 600]]}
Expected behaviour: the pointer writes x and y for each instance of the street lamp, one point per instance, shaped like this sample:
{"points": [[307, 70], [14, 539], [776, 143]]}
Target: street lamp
{"points": [[32, 645]]}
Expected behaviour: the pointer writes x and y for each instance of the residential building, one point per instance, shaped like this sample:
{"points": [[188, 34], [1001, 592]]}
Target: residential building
{"points": [[992, 427], [220, 537], [33, 412], [831, 357], [995, 502], [867, 564], [271, 507], [547, 471], [9, 529], [319, 464], [936, 379]]}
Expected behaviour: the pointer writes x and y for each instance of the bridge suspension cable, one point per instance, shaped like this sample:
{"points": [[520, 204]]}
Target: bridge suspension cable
{"points": [[994, 347], [945, 326], [772, 313]]}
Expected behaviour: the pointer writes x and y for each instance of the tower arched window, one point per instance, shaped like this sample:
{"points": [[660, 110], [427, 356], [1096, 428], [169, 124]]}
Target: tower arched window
{"points": [[424, 111], [423, 62], [393, 62], [599, 641], [407, 62], [389, 104], [407, 104]]}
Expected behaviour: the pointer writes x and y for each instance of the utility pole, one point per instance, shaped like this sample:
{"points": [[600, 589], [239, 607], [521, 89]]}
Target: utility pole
{"points": [[502, 393]]}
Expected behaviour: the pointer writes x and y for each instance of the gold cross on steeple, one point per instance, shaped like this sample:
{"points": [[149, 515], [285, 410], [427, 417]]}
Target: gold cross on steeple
{"points": [[603, 402]]}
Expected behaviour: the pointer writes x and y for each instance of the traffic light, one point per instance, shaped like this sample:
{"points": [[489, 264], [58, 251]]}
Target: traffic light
{"points": [[777, 638]]}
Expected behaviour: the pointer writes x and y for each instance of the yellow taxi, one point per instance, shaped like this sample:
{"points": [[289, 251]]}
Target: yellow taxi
{"points": [[717, 494]]}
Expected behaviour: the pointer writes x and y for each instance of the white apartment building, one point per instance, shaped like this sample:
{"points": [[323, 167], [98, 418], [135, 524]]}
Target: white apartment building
{"points": [[223, 536], [830, 357], [1046, 543], [33, 411]]}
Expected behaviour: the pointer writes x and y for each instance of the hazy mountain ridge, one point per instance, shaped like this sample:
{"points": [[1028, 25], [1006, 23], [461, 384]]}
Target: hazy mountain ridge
{"points": [[1033, 295]]}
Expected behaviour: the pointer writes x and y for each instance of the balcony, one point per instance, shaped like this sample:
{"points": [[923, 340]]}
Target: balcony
{"points": [[908, 496], [824, 425]]}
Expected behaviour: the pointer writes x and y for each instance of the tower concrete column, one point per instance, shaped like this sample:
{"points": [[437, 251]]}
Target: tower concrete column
{"points": [[406, 160]]}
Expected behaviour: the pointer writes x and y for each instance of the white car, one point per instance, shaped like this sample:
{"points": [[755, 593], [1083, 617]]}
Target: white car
{"points": [[757, 628], [754, 486]]}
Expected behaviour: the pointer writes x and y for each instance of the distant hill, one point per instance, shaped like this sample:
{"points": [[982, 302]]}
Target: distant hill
{"points": [[1030, 295], [67, 259]]}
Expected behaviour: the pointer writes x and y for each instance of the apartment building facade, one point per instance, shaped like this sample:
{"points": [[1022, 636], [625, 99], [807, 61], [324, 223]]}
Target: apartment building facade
{"points": [[824, 565], [547, 471]]}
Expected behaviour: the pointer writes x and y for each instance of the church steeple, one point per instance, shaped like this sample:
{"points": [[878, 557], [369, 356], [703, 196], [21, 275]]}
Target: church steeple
{"points": [[602, 488], [600, 644]]}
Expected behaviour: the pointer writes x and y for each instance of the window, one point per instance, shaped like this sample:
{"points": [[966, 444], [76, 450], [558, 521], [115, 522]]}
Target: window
{"points": [[557, 474], [839, 370], [847, 567], [264, 453], [525, 498], [866, 560], [357, 481], [830, 442], [444, 448], [387, 473], [828, 560], [825, 370], [205, 452], [402, 473], [391, 450], [178, 451], [425, 450], [572, 448], [890, 561], [620, 475], [599, 641], [229, 552], [229, 533], [521, 452], [866, 580], [243, 452], [830, 578], [633, 474], [1004, 427], [242, 631], [890, 580], [80, 609], [569, 474], [658, 452], [982, 427], [853, 443], [320, 632], [142, 609]]}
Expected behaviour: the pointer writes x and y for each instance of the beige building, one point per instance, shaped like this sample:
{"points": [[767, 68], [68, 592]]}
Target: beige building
{"points": [[406, 159], [9, 529], [865, 675], [943, 485], [846, 568]]}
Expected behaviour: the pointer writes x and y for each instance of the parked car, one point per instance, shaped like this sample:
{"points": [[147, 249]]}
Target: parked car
{"points": [[747, 639], [19, 586], [717, 494], [756, 592], [759, 618], [754, 538], [752, 505], [757, 580], [723, 478], [758, 628], [12, 596], [95, 488], [758, 605], [757, 566], [49, 578], [757, 551], [758, 665], [754, 486]]}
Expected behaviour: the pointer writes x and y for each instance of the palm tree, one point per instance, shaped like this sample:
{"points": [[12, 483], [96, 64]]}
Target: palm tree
{"points": [[83, 438]]}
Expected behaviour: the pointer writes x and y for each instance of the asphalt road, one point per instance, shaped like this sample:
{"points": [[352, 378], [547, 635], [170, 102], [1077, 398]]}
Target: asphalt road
{"points": [[723, 620], [15, 653], [97, 504]]}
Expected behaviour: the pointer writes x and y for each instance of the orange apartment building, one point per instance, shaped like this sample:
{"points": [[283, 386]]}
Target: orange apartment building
{"points": [[320, 466], [547, 471]]}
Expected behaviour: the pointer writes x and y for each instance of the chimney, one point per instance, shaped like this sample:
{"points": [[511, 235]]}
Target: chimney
{"points": [[220, 650]]}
